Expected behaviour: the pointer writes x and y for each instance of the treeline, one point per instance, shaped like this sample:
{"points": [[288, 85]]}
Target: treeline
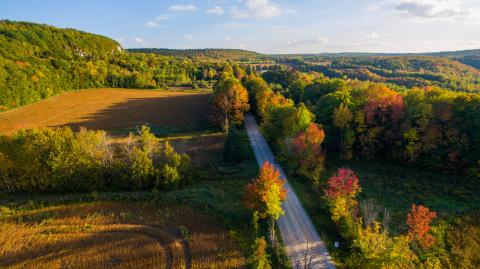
{"points": [[408, 71], [60, 160], [429, 127], [206, 54], [38, 61]]}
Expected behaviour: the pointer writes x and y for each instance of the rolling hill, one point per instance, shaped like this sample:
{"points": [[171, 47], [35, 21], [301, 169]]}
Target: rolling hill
{"points": [[205, 54], [38, 61]]}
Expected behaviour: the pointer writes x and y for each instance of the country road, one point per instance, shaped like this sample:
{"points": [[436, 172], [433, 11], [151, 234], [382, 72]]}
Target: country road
{"points": [[301, 240]]}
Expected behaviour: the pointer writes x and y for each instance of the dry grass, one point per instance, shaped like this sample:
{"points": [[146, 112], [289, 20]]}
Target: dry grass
{"points": [[110, 109], [116, 235]]}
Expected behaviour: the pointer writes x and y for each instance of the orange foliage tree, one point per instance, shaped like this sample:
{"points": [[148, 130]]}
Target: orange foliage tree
{"points": [[229, 102], [418, 221], [265, 194], [309, 154]]}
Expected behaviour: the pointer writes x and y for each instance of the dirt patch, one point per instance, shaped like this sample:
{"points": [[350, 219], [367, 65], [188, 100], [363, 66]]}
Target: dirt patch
{"points": [[110, 109]]}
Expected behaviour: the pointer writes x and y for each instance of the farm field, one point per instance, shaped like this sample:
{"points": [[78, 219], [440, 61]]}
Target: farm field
{"points": [[110, 109], [116, 235]]}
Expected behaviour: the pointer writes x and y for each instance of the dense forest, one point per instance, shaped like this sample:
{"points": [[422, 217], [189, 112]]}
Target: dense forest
{"points": [[427, 126], [307, 117], [38, 61]]}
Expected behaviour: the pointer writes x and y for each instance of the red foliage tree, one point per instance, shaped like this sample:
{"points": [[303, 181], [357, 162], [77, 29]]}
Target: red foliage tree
{"points": [[310, 139], [343, 184], [418, 221], [341, 193], [308, 153], [386, 108]]}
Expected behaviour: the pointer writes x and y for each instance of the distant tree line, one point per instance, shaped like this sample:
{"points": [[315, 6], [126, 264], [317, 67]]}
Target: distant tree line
{"points": [[408, 71]]}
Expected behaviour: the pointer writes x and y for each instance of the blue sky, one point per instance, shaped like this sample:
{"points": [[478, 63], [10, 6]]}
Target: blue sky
{"points": [[269, 26]]}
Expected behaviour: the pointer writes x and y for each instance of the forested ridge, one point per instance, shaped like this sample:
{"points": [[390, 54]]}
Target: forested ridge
{"points": [[406, 71], [38, 61], [206, 54]]}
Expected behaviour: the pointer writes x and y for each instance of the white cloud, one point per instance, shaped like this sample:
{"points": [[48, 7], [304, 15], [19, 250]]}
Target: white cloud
{"points": [[372, 7], [257, 8], [263, 8], [152, 24], [188, 36], [291, 11], [428, 9], [311, 41], [182, 8], [231, 25], [161, 18], [216, 10], [372, 35], [139, 41], [236, 13]]}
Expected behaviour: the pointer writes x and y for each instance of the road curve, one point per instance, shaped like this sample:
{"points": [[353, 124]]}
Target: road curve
{"points": [[301, 240]]}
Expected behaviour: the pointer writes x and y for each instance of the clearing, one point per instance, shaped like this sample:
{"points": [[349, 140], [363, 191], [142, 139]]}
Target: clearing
{"points": [[111, 109]]}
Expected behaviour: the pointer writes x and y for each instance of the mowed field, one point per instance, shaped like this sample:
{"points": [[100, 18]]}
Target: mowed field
{"points": [[116, 235], [110, 109]]}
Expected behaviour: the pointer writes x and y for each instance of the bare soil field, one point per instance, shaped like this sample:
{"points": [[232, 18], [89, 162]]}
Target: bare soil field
{"points": [[110, 109], [116, 235]]}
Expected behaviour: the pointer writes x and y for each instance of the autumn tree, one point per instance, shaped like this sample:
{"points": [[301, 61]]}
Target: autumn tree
{"points": [[341, 193], [259, 257], [229, 102], [308, 153], [238, 72], [265, 195], [418, 221], [342, 119]]}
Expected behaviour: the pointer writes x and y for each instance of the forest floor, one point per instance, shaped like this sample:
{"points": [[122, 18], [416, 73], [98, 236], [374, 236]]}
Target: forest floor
{"points": [[395, 187], [114, 110]]}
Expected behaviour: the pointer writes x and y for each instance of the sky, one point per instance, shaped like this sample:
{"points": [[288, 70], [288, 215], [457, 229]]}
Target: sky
{"points": [[267, 26]]}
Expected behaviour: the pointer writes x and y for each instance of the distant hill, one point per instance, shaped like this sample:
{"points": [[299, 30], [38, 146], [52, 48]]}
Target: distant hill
{"points": [[205, 54], [407, 70], [469, 57], [38, 61]]}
